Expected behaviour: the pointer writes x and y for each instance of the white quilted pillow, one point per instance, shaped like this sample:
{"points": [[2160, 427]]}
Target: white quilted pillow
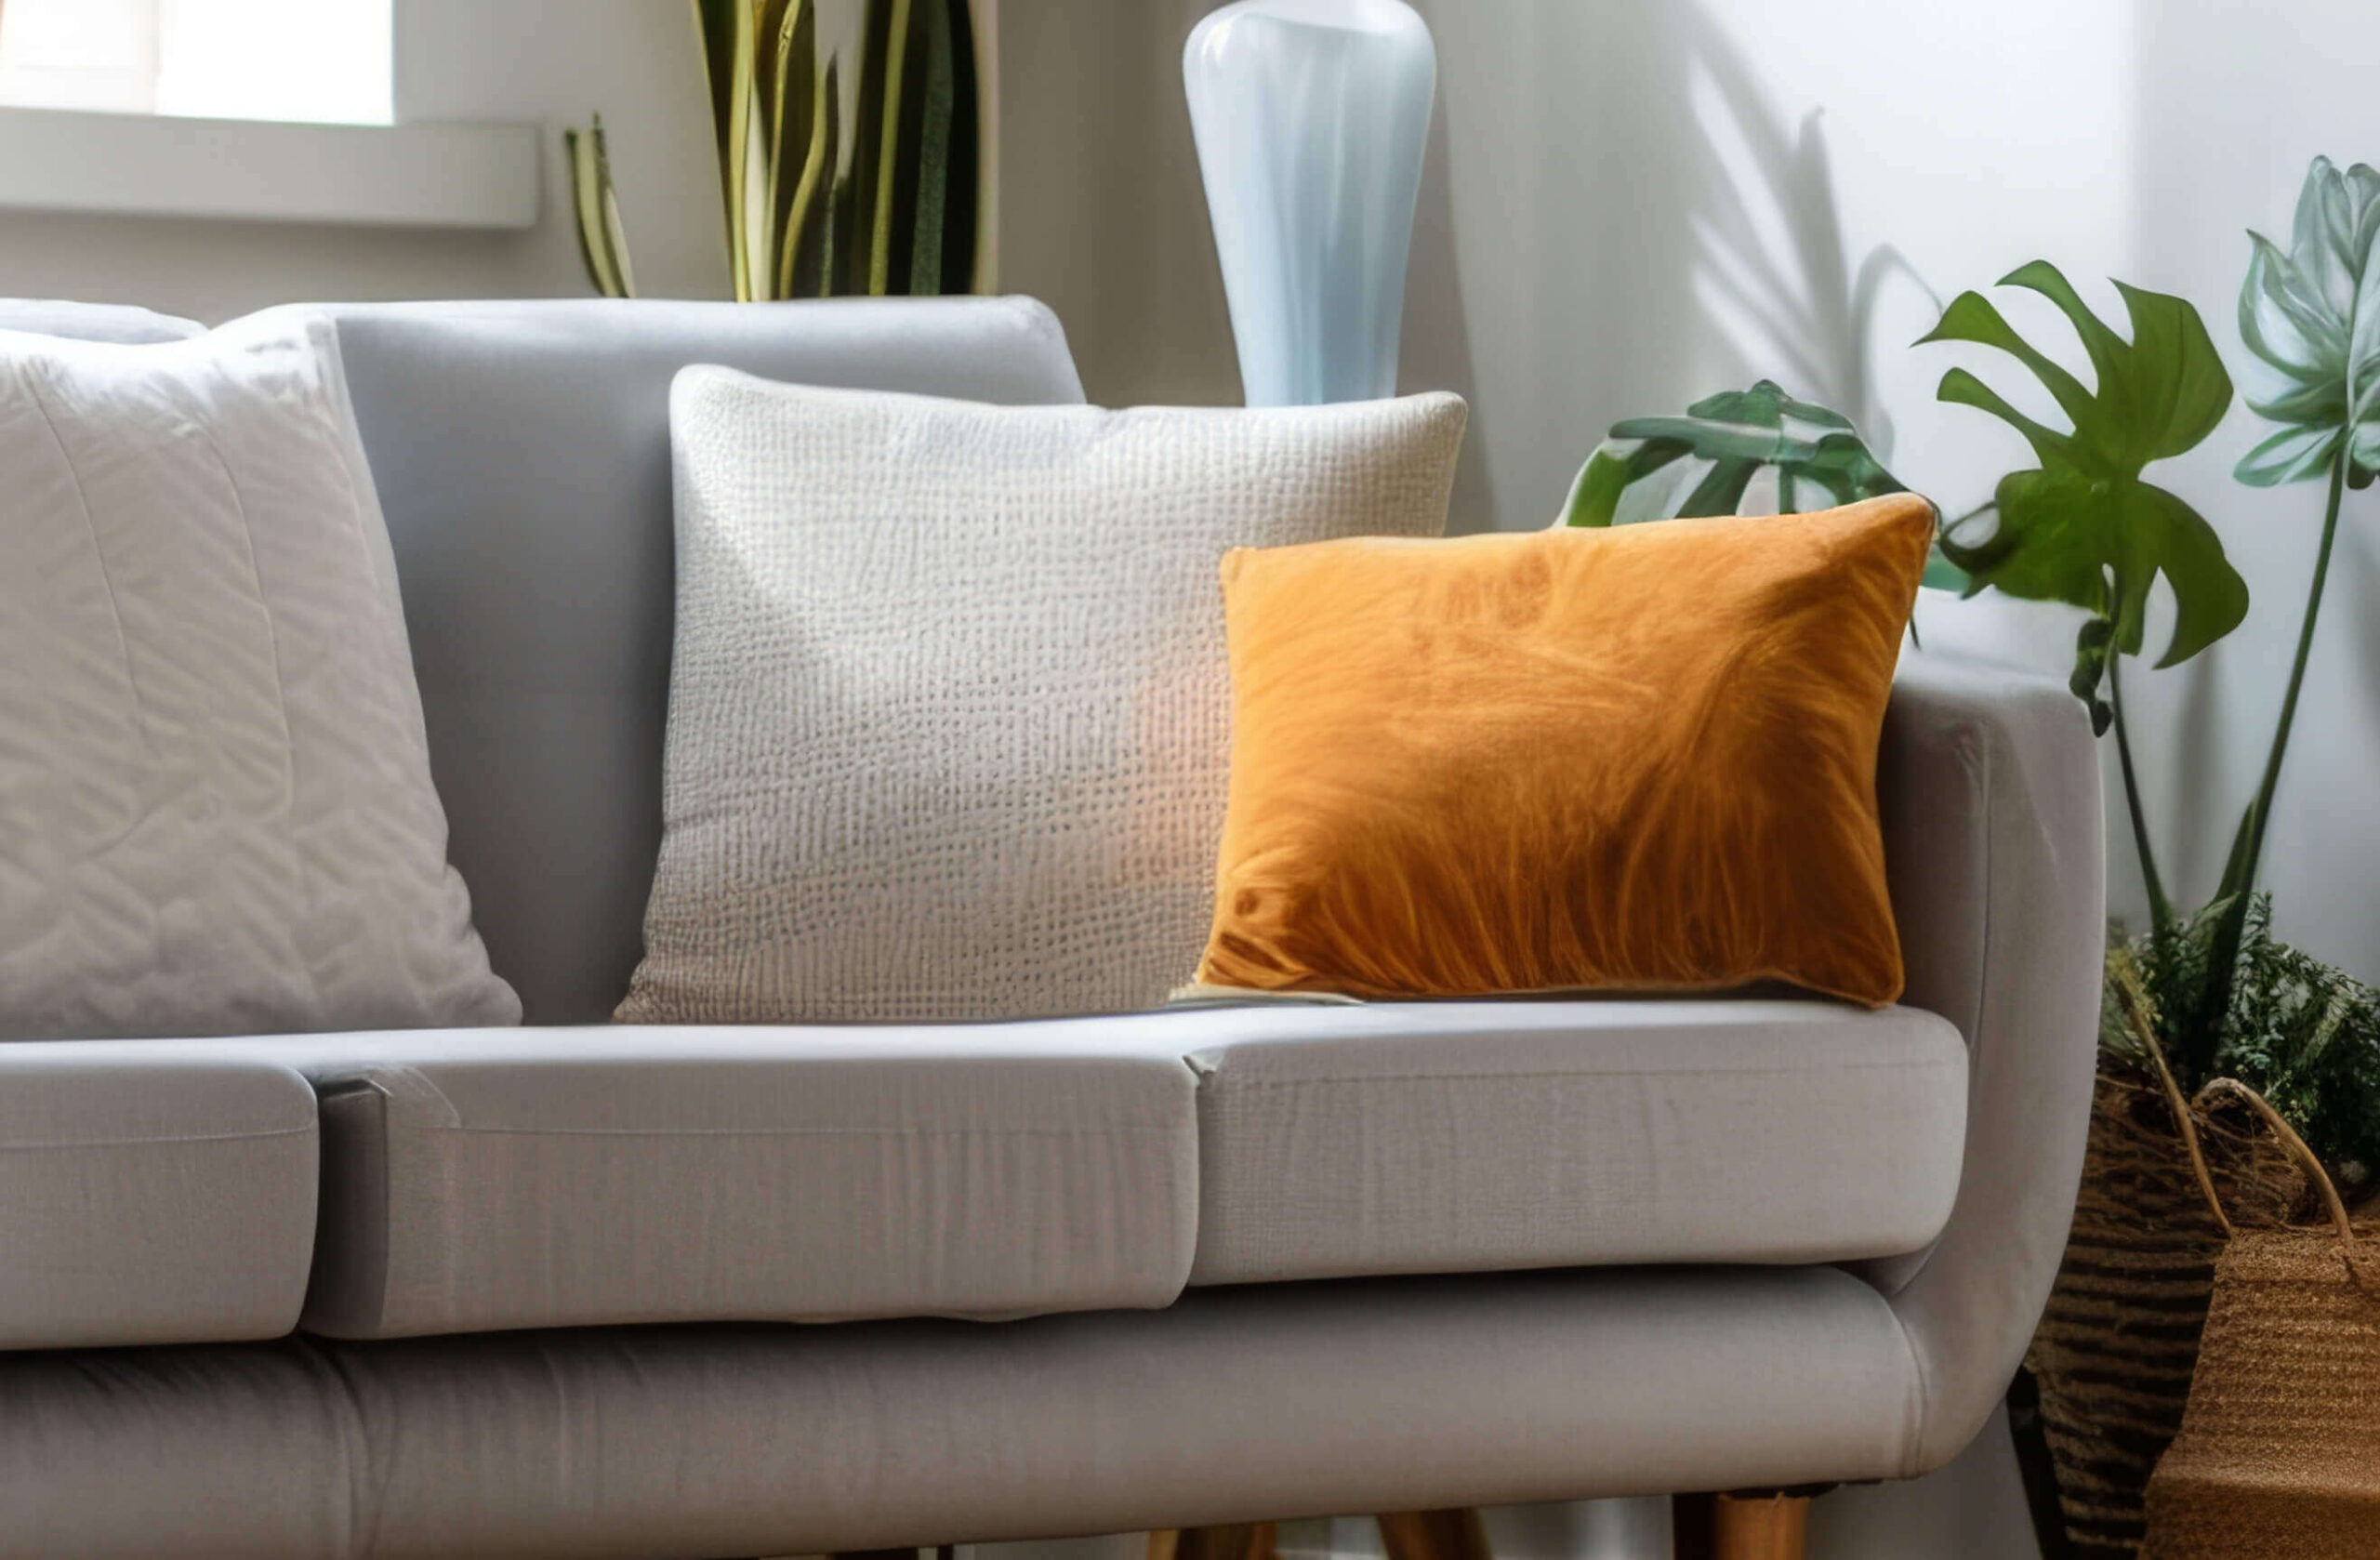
{"points": [[216, 812], [949, 716]]}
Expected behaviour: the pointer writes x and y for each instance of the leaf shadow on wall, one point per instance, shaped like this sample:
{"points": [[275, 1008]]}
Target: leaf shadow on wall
{"points": [[1433, 346], [1547, 280], [1772, 263]]}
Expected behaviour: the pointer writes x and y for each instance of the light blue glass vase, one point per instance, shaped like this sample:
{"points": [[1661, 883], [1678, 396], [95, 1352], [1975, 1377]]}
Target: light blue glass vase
{"points": [[1311, 116]]}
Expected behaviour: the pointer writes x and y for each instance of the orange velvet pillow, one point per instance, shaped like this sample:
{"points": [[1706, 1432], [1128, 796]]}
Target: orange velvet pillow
{"points": [[1642, 757]]}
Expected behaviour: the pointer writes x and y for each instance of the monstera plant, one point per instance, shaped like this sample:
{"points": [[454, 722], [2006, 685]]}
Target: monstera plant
{"points": [[2202, 994], [2084, 526]]}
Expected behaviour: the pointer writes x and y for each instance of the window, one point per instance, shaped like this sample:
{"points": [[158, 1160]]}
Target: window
{"points": [[322, 60]]}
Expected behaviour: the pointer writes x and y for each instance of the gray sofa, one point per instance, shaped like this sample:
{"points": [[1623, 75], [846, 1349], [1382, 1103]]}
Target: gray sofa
{"points": [[593, 1291]]}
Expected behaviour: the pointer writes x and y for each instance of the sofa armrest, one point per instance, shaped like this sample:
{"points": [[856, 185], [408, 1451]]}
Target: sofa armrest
{"points": [[1990, 785]]}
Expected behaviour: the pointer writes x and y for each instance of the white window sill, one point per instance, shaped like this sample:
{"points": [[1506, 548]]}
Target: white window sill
{"points": [[427, 175]]}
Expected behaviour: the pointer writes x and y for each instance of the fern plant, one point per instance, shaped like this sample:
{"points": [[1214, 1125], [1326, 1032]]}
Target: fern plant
{"points": [[812, 212], [2304, 1035]]}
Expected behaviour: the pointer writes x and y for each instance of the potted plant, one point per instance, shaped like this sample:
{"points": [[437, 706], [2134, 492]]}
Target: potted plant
{"points": [[2199, 995]]}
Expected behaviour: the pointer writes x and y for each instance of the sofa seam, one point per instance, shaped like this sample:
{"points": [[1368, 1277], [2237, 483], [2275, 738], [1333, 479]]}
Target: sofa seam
{"points": [[264, 1135], [1221, 1078], [1148, 1128]]}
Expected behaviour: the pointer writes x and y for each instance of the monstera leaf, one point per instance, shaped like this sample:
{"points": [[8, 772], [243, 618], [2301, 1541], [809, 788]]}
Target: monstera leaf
{"points": [[1733, 434], [2083, 527], [2312, 317], [1636, 474]]}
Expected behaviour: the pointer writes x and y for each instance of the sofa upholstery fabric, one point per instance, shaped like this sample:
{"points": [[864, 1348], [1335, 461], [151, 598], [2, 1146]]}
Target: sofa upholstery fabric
{"points": [[569, 1177], [150, 1193], [476, 1182], [949, 720], [522, 456], [1463, 1136], [1995, 847], [1234, 1404]]}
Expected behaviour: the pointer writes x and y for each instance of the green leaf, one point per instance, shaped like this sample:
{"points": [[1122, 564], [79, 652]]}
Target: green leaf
{"points": [[1815, 451], [817, 202], [888, 150], [603, 246], [789, 66], [730, 55], [2092, 647], [2311, 317], [933, 154], [716, 22], [2084, 527], [857, 186]]}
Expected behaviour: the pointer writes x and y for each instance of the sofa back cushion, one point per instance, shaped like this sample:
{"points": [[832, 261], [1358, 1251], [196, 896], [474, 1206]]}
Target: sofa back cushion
{"points": [[521, 452]]}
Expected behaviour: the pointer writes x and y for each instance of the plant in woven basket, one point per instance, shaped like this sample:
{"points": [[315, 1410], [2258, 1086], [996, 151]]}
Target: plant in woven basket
{"points": [[887, 206], [2304, 1035], [2204, 1008], [2204, 1000]]}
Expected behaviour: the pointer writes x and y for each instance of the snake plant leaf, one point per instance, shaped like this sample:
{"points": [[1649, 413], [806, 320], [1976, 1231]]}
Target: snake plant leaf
{"points": [[2084, 527], [962, 187], [855, 221], [888, 151], [731, 53], [790, 63], [814, 267], [603, 246], [936, 106], [2311, 317]]}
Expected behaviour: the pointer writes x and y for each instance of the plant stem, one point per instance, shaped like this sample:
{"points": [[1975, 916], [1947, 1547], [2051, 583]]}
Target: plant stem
{"points": [[2260, 811], [2160, 909], [2247, 849]]}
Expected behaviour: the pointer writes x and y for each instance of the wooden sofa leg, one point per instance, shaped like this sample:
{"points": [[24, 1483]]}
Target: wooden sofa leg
{"points": [[1760, 1526], [1239, 1540], [1456, 1534]]}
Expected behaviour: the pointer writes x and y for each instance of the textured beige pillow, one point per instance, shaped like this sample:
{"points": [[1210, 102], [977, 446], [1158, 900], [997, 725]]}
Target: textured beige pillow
{"points": [[949, 715]]}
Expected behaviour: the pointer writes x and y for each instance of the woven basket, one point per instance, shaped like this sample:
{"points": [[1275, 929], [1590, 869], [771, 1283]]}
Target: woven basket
{"points": [[2116, 1349], [2279, 1452]]}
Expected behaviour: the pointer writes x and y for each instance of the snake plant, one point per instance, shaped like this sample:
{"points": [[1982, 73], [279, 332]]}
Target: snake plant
{"points": [[807, 215]]}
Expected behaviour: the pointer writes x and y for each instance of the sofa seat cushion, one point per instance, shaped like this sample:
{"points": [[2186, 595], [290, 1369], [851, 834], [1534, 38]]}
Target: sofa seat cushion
{"points": [[1338, 1141], [151, 1194], [488, 1179]]}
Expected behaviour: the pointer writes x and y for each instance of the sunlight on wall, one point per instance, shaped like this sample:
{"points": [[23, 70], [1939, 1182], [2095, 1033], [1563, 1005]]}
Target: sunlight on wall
{"points": [[1846, 134], [292, 60]]}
